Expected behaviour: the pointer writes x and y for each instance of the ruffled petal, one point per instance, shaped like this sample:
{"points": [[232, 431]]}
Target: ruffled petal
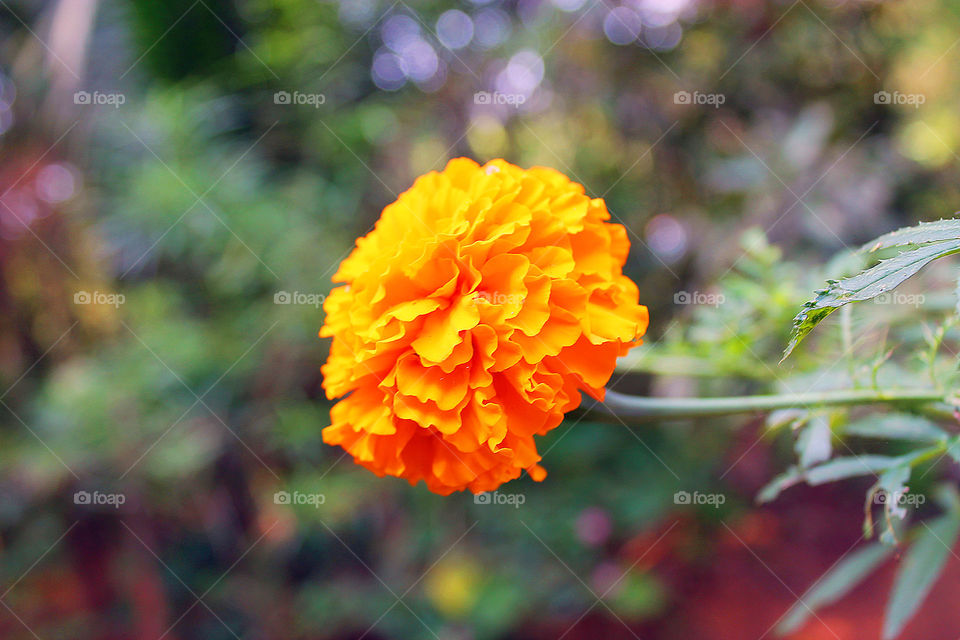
{"points": [[485, 300]]}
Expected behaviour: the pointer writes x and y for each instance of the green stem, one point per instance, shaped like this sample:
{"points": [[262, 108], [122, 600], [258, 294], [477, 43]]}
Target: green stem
{"points": [[638, 408]]}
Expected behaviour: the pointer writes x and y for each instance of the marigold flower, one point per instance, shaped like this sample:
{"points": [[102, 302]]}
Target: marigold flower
{"points": [[482, 303]]}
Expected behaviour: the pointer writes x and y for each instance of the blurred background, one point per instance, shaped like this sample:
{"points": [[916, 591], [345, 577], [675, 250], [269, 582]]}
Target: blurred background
{"points": [[178, 181]]}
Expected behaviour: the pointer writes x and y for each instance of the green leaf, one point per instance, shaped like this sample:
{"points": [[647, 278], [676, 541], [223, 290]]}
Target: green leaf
{"points": [[836, 469], [793, 417], [778, 485], [813, 443], [893, 484], [956, 293], [921, 566], [866, 285], [843, 468], [834, 584], [923, 233], [851, 467], [953, 450], [947, 497], [896, 426]]}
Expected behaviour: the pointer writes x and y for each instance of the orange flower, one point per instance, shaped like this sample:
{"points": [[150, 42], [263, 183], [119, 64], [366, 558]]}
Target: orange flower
{"points": [[482, 303]]}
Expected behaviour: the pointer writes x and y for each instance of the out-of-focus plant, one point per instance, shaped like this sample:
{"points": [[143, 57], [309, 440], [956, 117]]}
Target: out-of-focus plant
{"points": [[915, 370], [928, 433], [799, 147]]}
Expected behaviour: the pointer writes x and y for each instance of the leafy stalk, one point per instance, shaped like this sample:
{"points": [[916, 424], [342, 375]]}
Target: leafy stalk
{"points": [[922, 244], [875, 281]]}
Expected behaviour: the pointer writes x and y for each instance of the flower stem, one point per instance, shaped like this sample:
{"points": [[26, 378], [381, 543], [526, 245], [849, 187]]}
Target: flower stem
{"points": [[639, 408]]}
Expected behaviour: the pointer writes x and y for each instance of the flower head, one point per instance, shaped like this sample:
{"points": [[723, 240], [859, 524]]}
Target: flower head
{"points": [[484, 300]]}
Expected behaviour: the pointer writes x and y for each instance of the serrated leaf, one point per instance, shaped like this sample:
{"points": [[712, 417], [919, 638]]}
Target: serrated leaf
{"points": [[896, 426], [834, 584], [923, 233], [866, 285], [919, 570]]}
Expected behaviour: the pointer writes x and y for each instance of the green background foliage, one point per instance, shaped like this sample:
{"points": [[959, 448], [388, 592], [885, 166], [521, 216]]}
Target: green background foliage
{"points": [[201, 198]]}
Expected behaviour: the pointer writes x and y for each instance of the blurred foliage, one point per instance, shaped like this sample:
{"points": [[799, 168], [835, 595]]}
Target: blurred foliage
{"points": [[203, 197]]}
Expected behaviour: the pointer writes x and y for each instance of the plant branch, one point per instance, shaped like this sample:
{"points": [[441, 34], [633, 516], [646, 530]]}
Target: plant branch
{"points": [[639, 408]]}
